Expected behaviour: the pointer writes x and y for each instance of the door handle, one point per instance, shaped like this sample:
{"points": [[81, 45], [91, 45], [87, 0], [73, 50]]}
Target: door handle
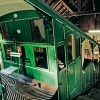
{"points": [[60, 83]]}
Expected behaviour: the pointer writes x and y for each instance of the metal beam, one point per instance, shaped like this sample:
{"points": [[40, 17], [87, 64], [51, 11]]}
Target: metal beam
{"points": [[82, 13]]}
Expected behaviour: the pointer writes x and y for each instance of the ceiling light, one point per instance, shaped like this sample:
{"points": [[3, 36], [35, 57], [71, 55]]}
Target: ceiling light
{"points": [[94, 31], [18, 31]]}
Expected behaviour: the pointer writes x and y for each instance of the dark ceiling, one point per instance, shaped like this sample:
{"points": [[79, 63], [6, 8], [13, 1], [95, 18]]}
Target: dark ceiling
{"points": [[79, 12]]}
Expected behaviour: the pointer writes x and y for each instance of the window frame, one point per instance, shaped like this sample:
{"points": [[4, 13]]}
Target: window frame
{"points": [[39, 29], [88, 60], [4, 34], [46, 57], [64, 57], [5, 51], [73, 47], [79, 47], [96, 61]]}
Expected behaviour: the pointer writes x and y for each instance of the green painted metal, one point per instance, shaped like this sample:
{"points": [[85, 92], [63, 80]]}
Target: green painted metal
{"points": [[74, 72], [24, 27], [78, 75], [70, 81], [87, 77], [63, 93], [22, 15], [42, 75], [2, 91], [59, 31], [96, 73], [35, 72]]}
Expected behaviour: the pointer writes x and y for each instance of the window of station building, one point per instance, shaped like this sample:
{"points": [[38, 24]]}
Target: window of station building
{"points": [[70, 47], [77, 47], [4, 31], [8, 49], [40, 57], [37, 29], [61, 57]]}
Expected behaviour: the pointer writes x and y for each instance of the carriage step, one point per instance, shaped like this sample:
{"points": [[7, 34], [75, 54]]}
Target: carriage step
{"points": [[9, 70]]}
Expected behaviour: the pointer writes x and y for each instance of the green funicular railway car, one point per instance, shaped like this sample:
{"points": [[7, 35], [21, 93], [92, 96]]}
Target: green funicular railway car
{"points": [[61, 59]]}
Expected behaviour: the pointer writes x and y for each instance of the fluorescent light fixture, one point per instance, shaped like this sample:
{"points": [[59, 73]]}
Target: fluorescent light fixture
{"points": [[94, 31]]}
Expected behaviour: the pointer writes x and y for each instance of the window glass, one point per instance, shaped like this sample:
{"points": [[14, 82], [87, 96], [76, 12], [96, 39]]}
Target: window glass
{"points": [[8, 49], [61, 57], [70, 48], [37, 28], [99, 53], [19, 50], [86, 53], [77, 47], [96, 55], [4, 30], [40, 57]]}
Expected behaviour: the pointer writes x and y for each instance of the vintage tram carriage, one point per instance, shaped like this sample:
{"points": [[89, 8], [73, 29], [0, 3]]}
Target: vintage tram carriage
{"points": [[52, 50]]}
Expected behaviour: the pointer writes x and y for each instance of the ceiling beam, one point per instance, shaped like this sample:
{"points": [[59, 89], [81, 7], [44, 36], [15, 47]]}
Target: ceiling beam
{"points": [[57, 3], [66, 6], [79, 5], [74, 3], [84, 3], [82, 13], [94, 7]]}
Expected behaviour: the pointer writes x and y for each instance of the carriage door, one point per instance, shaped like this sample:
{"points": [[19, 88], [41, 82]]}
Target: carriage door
{"points": [[71, 65], [62, 72]]}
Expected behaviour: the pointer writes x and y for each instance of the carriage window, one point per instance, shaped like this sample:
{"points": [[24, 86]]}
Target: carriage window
{"points": [[77, 47], [86, 53], [40, 57], [38, 33], [8, 49], [4, 30], [99, 53], [70, 48], [19, 50], [96, 55], [61, 57]]}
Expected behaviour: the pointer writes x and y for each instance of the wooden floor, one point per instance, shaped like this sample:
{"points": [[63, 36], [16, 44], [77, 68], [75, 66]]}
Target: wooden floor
{"points": [[31, 92]]}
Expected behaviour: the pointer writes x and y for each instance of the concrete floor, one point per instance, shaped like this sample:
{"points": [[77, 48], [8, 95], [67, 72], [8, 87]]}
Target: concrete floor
{"points": [[93, 94]]}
